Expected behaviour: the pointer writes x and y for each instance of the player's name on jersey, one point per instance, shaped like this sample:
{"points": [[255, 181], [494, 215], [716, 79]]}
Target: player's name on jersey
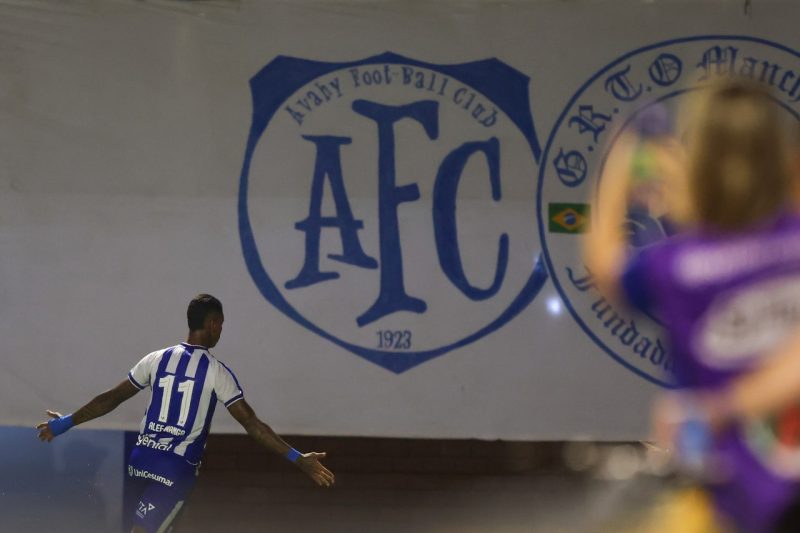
{"points": [[163, 428], [149, 442]]}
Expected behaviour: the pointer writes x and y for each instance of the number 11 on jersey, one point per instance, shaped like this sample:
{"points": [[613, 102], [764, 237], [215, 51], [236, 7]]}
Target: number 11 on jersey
{"points": [[185, 388]]}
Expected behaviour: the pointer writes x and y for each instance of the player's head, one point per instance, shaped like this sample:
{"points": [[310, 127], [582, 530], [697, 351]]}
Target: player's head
{"points": [[205, 318], [738, 173]]}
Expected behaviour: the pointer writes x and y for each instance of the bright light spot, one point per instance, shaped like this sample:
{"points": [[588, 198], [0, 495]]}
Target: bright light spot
{"points": [[622, 462], [554, 306]]}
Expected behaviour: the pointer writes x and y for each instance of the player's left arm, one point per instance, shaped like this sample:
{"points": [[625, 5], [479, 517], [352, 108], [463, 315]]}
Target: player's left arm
{"points": [[309, 463], [100, 405]]}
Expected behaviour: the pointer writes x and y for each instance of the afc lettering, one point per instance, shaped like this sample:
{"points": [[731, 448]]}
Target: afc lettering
{"points": [[392, 295]]}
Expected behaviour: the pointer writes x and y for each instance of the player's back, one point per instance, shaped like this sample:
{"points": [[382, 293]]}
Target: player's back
{"points": [[186, 382]]}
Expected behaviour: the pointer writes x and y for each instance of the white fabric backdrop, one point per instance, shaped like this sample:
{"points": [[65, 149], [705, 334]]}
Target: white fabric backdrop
{"points": [[123, 128]]}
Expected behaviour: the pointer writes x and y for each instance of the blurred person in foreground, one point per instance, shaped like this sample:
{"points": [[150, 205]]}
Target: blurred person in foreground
{"points": [[186, 383], [726, 288]]}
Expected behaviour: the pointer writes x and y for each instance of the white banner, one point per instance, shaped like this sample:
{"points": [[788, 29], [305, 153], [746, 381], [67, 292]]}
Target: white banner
{"points": [[386, 197]]}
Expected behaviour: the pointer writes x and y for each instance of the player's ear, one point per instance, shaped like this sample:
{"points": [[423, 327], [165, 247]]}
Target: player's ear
{"points": [[210, 320]]}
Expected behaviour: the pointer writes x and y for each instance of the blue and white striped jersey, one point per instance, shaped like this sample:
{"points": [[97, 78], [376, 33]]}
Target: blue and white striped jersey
{"points": [[186, 382]]}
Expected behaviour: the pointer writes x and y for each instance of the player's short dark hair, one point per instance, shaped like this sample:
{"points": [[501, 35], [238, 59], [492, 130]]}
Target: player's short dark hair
{"points": [[199, 308]]}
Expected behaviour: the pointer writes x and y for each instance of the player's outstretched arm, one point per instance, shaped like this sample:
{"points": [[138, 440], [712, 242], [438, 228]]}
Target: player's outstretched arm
{"points": [[100, 405], [309, 463]]}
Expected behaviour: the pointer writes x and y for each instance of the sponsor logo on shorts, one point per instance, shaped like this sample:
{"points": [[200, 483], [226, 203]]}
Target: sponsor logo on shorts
{"points": [[144, 508], [135, 472]]}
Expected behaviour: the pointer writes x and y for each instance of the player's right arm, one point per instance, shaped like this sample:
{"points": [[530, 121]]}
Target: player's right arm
{"points": [[138, 379], [100, 405], [264, 435]]}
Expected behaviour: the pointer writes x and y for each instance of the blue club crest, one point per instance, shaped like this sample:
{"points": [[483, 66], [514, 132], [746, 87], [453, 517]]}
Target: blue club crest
{"points": [[375, 202]]}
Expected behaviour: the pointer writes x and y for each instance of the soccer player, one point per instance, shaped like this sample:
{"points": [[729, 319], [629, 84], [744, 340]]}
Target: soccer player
{"points": [[186, 382], [727, 290]]}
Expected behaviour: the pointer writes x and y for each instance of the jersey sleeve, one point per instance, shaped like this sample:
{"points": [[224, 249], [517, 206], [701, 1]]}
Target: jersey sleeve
{"points": [[140, 374], [638, 279], [226, 386]]}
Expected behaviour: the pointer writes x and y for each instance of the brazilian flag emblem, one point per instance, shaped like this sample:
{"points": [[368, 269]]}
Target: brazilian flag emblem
{"points": [[568, 218]]}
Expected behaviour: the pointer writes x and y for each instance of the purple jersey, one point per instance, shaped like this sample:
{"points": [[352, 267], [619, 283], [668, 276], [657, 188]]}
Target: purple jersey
{"points": [[727, 301]]}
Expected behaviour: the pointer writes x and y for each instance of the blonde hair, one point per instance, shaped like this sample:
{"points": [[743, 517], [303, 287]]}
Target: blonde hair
{"points": [[738, 158]]}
